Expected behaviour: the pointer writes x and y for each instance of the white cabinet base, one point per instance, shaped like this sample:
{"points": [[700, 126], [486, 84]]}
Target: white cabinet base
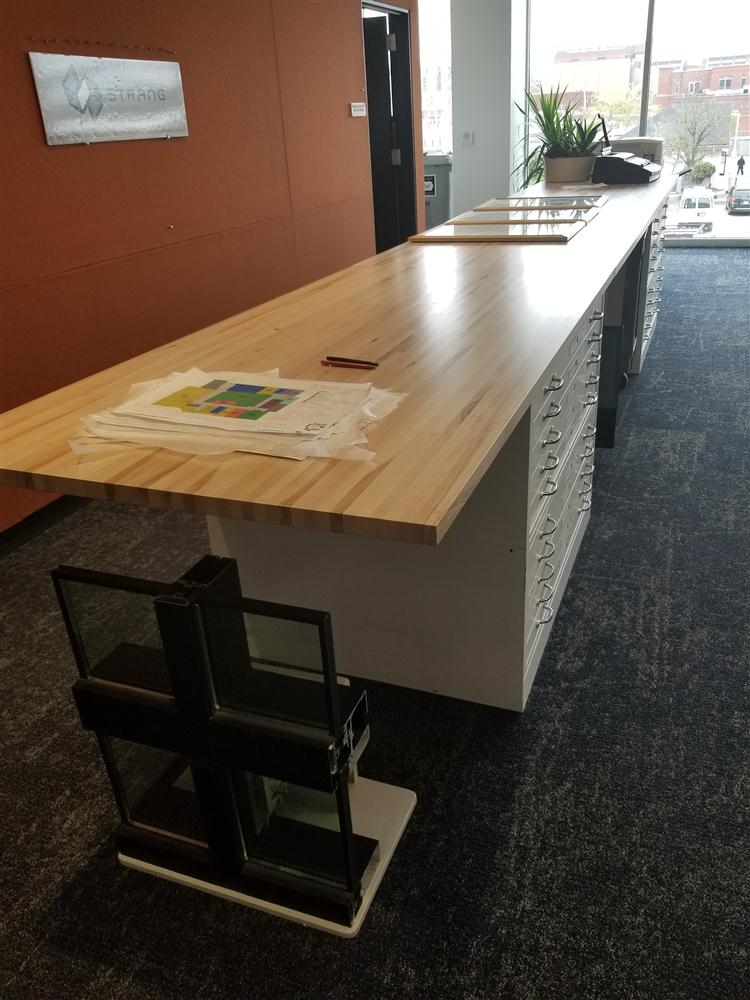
{"points": [[448, 619]]}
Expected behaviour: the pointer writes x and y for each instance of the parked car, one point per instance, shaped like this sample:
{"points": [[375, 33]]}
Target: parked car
{"points": [[696, 210], [738, 196]]}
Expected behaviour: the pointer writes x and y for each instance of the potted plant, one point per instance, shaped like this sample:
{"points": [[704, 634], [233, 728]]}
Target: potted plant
{"points": [[566, 145]]}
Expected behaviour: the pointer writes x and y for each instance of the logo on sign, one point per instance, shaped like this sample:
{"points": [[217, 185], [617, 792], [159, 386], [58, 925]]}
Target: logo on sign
{"points": [[430, 186], [82, 94]]}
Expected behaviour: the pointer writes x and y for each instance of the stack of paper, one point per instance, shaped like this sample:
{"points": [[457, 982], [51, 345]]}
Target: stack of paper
{"points": [[211, 413]]}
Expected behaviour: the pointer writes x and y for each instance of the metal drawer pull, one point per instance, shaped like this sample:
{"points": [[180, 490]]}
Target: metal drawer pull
{"points": [[551, 530], [594, 359], [588, 453], [588, 487], [551, 568], [549, 612], [546, 596], [588, 472], [592, 400], [592, 379], [585, 505], [553, 412], [556, 382], [590, 431], [597, 315], [547, 552], [595, 337], [550, 440], [554, 460], [550, 482]]}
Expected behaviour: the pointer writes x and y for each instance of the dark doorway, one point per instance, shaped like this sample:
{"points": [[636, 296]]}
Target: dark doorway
{"points": [[389, 110]]}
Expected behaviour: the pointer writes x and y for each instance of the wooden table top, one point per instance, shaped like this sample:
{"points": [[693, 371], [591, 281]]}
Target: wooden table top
{"points": [[465, 330]]}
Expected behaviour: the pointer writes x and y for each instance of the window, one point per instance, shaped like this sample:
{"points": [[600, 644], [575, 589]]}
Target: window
{"points": [[705, 122]]}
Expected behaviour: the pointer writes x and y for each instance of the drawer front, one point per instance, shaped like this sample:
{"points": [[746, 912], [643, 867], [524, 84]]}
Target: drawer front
{"points": [[554, 531], [553, 388], [550, 453]]}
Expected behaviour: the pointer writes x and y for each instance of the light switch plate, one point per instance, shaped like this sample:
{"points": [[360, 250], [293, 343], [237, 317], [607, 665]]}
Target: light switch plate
{"points": [[359, 109]]}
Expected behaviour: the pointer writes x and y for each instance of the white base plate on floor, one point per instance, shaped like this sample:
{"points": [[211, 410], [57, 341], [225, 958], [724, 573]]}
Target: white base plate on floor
{"points": [[378, 811]]}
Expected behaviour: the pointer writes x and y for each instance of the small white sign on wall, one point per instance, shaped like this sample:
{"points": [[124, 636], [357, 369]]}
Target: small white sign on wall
{"points": [[86, 99]]}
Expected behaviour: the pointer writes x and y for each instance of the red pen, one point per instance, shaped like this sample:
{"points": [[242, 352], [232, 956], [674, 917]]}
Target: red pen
{"points": [[347, 364]]}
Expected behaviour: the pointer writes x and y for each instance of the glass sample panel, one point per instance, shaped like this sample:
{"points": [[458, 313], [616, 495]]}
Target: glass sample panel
{"points": [[498, 233], [294, 830], [549, 216], [157, 789], [269, 665], [117, 634], [533, 203]]}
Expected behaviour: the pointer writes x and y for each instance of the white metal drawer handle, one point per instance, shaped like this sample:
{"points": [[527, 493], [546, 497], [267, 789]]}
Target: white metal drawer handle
{"points": [[590, 431], [594, 359], [595, 337], [592, 400], [546, 596], [588, 487], [556, 382], [550, 440], [596, 316], [550, 482], [589, 471], [593, 379], [547, 552], [551, 573], [549, 613], [552, 463], [553, 412], [585, 505], [551, 530], [588, 452]]}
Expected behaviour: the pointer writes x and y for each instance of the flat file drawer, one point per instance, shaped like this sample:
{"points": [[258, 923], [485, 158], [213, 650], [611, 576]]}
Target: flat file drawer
{"points": [[551, 390]]}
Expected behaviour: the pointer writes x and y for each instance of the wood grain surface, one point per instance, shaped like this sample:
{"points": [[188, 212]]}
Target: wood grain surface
{"points": [[465, 330]]}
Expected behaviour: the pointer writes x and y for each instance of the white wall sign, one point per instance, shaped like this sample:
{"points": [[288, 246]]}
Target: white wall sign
{"points": [[85, 99]]}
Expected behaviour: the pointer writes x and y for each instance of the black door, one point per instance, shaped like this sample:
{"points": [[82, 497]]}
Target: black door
{"points": [[389, 109]]}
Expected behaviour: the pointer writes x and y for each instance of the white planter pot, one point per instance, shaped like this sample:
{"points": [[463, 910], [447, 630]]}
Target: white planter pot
{"points": [[567, 169]]}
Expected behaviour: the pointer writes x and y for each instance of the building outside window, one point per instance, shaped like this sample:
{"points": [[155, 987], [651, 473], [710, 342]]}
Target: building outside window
{"points": [[725, 83]]}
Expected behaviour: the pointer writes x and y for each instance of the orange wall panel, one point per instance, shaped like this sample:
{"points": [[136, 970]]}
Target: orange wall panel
{"points": [[117, 309], [331, 238], [321, 71], [76, 205]]}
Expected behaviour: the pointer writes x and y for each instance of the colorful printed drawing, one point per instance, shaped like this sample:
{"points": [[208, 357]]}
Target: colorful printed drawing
{"points": [[225, 399]]}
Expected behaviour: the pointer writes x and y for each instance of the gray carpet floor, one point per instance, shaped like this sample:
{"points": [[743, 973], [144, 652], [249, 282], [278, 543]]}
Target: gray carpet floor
{"points": [[595, 848]]}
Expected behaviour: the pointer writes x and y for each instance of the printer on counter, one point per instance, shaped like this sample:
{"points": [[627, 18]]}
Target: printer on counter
{"points": [[619, 164], [623, 168]]}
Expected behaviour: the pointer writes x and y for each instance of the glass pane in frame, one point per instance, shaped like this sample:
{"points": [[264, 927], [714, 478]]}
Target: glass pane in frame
{"points": [[289, 829], [273, 660], [156, 789], [113, 628]]}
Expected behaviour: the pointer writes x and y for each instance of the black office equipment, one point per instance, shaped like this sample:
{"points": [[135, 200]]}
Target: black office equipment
{"points": [[230, 742], [623, 168]]}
